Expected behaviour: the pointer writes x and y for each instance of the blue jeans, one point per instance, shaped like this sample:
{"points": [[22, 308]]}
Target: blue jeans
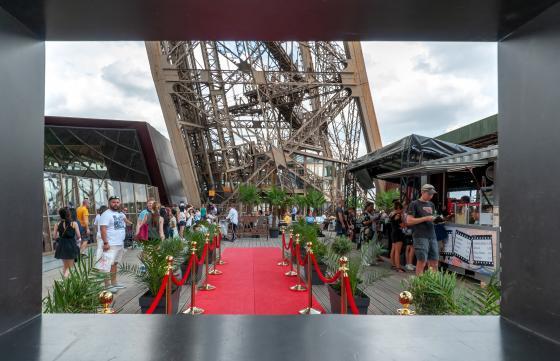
{"points": [[426, 248]]}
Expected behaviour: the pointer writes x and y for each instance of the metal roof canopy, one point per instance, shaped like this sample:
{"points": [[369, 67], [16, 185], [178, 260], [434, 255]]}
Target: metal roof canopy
{"points": [[452, 163], [406, 152]]}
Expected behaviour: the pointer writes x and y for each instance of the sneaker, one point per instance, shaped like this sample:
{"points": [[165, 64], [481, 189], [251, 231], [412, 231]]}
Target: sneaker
{"points": [[113, 289], [409, 267], [118, 286]]}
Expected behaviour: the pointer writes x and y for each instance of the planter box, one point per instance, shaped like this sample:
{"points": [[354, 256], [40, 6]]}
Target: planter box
{"points": [[315, 280], [198, 273], [145, 301], [361, 302]]}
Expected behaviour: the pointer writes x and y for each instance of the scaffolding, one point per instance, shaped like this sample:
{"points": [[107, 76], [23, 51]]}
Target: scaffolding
{"points": [[291, 114]]}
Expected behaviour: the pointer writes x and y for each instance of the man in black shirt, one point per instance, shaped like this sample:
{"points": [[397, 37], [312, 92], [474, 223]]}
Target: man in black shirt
{"points": [[420, 218]]}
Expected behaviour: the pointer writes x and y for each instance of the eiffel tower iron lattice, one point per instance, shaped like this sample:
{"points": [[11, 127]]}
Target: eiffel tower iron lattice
{"points": [[285, 113]]}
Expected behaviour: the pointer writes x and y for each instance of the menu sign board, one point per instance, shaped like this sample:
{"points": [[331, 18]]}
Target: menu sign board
{"points": [[462, 246], [483, 253], [474, 249]]}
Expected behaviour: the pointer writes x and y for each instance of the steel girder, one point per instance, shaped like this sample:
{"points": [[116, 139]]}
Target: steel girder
{"points": [[284, 113]]}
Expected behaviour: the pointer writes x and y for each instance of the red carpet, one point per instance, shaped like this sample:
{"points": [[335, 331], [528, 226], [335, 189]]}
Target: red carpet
{"points": [[252, 284]]}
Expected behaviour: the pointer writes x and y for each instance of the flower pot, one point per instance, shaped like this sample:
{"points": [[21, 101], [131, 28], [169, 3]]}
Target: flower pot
{"points": [[362, 303], [145, 301], [274, 232], [198, 272], [315, 280]]}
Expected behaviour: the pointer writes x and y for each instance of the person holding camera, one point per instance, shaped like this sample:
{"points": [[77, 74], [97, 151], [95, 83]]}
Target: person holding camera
{"points": [[421, 219]]}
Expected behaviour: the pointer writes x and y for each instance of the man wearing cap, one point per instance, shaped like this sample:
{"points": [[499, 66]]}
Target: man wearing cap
{"points": [[113, 231], [420, 218]]}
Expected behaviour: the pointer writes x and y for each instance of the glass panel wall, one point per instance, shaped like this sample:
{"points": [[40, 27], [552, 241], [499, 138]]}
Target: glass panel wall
{"points": [[60, 189]]}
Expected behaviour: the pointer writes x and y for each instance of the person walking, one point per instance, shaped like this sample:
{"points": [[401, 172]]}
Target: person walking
{"points": [[182, 219], [112, 224], [397, 236], [173, 224], [233, 218], [420, 218], [82, 216], [96, 224], [341, 226], [67, 234]]}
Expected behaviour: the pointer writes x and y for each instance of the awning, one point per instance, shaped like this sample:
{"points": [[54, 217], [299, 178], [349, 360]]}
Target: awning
{"points": [[453, 163]]}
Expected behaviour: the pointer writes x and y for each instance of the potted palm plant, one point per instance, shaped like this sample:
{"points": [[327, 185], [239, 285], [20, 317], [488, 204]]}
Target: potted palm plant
{"points": [[79, 292], [199, 238], [276, 197], [358, 277], [315, 199], [154, 261], [249, 196]]}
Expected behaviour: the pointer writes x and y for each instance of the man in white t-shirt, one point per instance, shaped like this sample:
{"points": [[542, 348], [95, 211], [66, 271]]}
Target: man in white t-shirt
{"points": [[113, 231], [233, 218]]}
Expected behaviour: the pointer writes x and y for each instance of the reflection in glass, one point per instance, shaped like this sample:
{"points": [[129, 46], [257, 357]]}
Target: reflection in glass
{"points": [[100, 192], [141, 196], [85, 190], [69, 190], [127, 198]]}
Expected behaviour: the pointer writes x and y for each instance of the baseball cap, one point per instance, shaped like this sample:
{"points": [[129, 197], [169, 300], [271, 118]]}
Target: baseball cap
{"points": [[429, 188]]}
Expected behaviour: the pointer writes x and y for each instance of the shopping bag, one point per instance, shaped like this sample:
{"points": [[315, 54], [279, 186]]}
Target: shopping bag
{"points": [[104, 262]]}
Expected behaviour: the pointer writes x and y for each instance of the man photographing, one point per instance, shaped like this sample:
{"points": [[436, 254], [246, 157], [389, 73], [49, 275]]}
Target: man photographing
{"points": [[421, 219]]}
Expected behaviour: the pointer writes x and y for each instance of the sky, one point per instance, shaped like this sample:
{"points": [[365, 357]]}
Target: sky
{"points": [[417, 87]]}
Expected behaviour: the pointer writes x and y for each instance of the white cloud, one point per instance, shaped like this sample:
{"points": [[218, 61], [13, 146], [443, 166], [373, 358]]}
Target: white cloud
{"points": [[101, 80], [430, 88], [423, 88]]}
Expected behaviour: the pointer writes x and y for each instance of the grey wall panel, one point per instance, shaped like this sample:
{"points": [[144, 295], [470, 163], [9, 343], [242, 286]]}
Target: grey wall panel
{"points": [[167, 166], [529, 173], [22, 88]]}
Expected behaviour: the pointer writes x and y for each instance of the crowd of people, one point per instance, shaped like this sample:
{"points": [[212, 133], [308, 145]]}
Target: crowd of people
{"points": [[412, 229], [413, 232], [113, 230]]}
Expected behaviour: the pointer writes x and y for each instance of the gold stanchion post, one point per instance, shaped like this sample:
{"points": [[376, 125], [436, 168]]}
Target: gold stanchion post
{"points": [[105, 298], [284, 261], [405, 299], [220, 260], [168, 302], [207, 286], [215, 271], [309, 310], [343, 262], [298, 286], [193, 310], [291, 272]]}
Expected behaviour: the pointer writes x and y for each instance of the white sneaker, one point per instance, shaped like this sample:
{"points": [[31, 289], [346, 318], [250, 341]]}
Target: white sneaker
{"points": [[118, 286], [409, 267], [113, 289]]}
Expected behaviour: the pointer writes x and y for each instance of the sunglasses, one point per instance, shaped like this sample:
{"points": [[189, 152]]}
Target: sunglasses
{"points": [[114, 197]]}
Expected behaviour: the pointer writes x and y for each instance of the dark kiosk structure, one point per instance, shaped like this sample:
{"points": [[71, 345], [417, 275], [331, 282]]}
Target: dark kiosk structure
{"points": [[528, 36]]}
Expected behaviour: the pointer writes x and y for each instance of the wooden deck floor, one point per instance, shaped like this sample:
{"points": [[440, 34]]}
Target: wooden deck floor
{"points": [[383, 293]]}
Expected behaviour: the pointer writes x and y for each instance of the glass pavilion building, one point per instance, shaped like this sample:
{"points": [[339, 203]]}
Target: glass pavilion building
{"points": [[96, 158]]}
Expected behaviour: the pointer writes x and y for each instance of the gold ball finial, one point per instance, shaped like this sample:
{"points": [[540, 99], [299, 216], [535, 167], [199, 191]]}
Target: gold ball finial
{"points": [[169, 259], [405, 299], [193, 247], [105, 298]]}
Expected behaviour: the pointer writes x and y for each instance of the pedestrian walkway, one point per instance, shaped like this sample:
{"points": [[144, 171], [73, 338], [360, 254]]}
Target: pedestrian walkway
{"points": [[252, 284]]}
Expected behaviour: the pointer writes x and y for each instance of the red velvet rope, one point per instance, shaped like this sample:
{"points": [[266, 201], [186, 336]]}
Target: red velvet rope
{"points": [[203, 256], [298, 253], [289, 246], [186, 275], [320, 274], [217, 240], [159, 295], [211, 245], [350, 296]]}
